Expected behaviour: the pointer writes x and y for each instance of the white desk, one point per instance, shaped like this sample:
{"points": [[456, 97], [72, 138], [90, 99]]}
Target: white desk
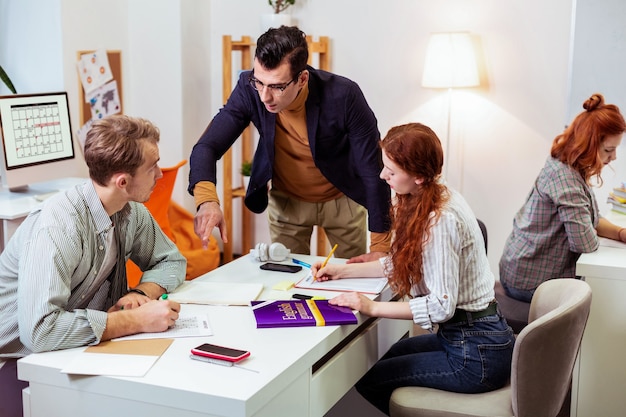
{"points": [[15, 206], [302, 371], [600, 374]]}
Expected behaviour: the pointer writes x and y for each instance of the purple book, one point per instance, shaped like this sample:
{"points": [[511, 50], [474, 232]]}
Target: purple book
{"points": [[295, 313]]}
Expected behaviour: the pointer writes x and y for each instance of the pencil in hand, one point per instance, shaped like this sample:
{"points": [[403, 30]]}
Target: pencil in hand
{"points": [[329, 255], [327, 259]]}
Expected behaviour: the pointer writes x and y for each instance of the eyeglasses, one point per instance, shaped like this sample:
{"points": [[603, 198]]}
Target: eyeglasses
{"points": [[276, 90]]}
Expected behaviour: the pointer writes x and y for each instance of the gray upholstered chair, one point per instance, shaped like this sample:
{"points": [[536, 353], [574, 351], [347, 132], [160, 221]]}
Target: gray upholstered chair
{"points": [[543, 361], [483, 230]]}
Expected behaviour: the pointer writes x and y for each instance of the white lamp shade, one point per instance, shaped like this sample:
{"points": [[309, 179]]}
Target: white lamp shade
{"points": [[450, 61]]}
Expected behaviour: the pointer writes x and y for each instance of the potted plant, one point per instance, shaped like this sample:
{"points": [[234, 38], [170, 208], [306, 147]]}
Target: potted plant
{"points": [[246, 170], [7, 81], [277, 18], [280, 5]]}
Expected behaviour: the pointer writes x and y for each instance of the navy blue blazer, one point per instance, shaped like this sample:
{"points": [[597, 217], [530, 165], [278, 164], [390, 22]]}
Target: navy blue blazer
{"points": [[343, 137]]}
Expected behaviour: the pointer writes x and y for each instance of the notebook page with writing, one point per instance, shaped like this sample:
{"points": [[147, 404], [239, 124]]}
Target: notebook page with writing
{"points": [[363, 285], [187, 325]]}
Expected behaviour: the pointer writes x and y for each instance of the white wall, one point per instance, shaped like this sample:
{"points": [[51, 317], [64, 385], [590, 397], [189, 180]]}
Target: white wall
{"points": [[504, 128], [599, 58], [31, 45], [501, 132], [151, 62], [89, 26]]}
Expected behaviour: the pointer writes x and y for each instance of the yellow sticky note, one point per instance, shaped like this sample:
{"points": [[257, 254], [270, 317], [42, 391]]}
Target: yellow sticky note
{"points": [[283, 285]]}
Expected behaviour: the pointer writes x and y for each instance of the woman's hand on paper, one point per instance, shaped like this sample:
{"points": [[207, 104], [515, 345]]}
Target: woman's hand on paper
{"points": [[330, 271], [371, 269]]}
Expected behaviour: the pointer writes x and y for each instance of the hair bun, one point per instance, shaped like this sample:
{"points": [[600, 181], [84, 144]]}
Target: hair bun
{"points": [[593, 102]]}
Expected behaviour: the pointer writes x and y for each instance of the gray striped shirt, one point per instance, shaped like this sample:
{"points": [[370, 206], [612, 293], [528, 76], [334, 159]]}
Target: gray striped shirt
{"points": [[58, 253]]}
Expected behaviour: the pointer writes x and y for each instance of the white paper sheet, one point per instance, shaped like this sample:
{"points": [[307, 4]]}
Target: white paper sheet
{"points": [[364, 285], [216, 293], [126, 358], [611, 243], [187, 325], [110, 364]]}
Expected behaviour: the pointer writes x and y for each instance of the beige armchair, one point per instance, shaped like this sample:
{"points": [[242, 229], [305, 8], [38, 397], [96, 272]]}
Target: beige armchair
{"points": [[543, 361]]}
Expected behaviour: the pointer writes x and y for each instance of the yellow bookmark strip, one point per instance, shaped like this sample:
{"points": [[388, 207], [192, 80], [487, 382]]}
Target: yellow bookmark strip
{"points": [[319, 319]]}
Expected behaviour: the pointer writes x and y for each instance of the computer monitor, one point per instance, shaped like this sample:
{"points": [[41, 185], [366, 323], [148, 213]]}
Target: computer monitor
{"points": [[37, 142]]}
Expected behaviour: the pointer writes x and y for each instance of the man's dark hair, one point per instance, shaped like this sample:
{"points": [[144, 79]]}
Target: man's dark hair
{"points": [[285, 42]]}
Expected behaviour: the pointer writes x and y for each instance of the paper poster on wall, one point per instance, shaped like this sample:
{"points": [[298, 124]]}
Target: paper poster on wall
{"points": [[94, 70], [104, 101]]}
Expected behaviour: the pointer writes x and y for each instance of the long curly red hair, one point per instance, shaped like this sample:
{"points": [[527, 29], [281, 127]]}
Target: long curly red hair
{"points": [[578, 145], [415, 149]]}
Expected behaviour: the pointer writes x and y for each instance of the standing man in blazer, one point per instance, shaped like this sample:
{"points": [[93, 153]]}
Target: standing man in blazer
{"points": [[319, 146]]}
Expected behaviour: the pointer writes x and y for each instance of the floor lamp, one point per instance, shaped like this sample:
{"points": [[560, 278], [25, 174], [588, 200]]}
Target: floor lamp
{"points": [[450, 63]]}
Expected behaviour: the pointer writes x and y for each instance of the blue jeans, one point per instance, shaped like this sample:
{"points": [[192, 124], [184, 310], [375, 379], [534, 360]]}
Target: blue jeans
{"points": [[521, 295], [461, 357]]}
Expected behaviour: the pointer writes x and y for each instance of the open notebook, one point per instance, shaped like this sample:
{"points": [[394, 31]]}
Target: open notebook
{"points": [[364, 285], [216, 293]]}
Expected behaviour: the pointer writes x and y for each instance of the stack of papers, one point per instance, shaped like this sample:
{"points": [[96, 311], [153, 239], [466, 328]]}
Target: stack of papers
{"points": [[617, 198], [127, 358]]}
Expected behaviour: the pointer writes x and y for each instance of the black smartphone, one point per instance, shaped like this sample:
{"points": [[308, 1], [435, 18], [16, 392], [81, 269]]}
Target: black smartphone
{"points": [[220, 352], [271, 266]]}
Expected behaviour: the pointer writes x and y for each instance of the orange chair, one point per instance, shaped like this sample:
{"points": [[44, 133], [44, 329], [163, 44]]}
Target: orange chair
{"points": [[177, 224]]}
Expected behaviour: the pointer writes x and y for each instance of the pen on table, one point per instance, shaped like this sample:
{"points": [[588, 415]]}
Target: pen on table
{"points": [[299, 262], [263, 304], [307, 297]]}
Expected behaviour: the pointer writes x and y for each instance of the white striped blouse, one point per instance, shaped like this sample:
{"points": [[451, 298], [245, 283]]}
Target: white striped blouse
{"points": [[456, 271]]}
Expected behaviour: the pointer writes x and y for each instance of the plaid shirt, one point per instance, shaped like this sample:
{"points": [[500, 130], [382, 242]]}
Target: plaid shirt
{"points": [[556, 224]]}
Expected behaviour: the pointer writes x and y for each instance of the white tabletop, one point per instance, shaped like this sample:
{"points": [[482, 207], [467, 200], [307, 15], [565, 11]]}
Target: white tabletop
{"points": [[15, 205], [280, 355], [608, 261]]}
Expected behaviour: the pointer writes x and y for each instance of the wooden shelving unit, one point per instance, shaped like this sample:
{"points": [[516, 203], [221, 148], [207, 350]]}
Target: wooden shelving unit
{"points": [[245, 48]]}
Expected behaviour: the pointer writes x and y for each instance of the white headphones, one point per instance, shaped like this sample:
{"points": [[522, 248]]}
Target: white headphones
{"points": [[274, 252]]}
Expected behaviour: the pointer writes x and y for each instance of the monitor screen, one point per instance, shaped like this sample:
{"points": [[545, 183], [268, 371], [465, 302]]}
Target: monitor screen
{"points": [[37, 142]]}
